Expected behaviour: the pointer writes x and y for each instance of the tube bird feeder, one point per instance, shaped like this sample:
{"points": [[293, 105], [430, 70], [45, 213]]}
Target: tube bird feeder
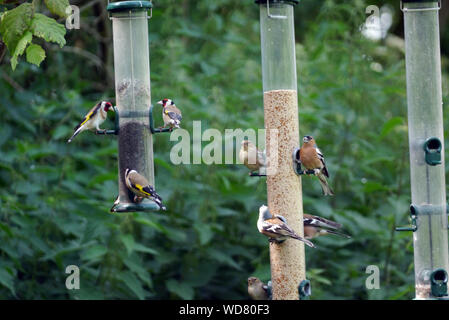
{"points": [[426, 143], [284, 190], [133, 98]]}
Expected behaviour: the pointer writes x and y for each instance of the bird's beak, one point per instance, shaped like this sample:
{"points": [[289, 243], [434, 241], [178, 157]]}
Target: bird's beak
{"points": [[159, 102]]}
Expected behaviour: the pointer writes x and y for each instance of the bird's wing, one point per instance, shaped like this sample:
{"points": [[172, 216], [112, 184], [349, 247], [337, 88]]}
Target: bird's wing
{"points": [[277, 226], [321, 157], [316, 221], [173, 112], [261, 158], [92, 112]]}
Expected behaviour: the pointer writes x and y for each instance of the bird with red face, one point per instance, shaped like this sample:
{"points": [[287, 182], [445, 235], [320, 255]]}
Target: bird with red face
{"points": [[170, 114], [93, 119]]}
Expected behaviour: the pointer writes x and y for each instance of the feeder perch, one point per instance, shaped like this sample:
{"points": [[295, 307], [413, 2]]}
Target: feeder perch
{"points": [[156, 130], [425, 119], [438, 283], [305, 290], [133, 98], [116, 126]]}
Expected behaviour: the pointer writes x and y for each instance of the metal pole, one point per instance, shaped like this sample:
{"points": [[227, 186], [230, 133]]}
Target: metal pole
{"points": [[281, 122], [426, 143], [133, 97]]}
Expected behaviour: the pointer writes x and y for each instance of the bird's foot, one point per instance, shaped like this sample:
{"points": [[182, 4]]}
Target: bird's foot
{"points": [[137, 199]]}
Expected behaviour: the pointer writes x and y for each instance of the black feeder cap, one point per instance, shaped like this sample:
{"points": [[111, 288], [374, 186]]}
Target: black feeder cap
{"points": [[292, 2]]}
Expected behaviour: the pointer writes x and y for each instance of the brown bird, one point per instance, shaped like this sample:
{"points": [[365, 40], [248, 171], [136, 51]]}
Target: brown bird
{"points": [[312, 159], [257, 290], [276, 228], [315, 226], [251, 157], [170, 114], [93, 119]]}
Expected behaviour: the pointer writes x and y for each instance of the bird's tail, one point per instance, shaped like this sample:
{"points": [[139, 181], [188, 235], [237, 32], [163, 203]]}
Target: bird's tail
{"points": [[336, 233], [158, 201], [320, 222], [77, 131], [327, 191], [307, 242]]}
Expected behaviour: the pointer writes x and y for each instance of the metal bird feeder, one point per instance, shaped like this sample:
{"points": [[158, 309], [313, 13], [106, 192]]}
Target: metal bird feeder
{"points": [[426, 142], [133, 97], [281, 123]]}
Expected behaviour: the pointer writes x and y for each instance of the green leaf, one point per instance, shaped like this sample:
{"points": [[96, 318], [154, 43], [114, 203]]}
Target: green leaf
{"points": [[14, 23], [35, 54], [57, 7], [94, 252], [20, 48], [7, 280], [48, 29], [133, 283], [128, 241], [180, 289], [390, 125]]}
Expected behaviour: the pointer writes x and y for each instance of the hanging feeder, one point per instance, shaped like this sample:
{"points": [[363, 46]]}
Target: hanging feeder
{"points": [[426, 143], [284, 191], [133, 98]]}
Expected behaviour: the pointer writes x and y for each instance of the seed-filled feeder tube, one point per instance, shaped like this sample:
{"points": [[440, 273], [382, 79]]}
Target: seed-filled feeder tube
{"points": [[133, 98], [426, 143], [282, 138]]}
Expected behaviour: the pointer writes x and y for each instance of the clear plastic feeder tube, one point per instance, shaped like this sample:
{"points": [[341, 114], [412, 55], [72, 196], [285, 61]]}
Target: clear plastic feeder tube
{"points": [[425, 121], [133, 96], [284, 191]]}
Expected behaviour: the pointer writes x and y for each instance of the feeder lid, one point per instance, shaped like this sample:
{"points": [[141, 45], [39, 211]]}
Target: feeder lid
{"points": [[128, 5], [293, 2]]}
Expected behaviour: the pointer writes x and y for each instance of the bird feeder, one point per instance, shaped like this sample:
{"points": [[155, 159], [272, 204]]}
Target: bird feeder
{"points": [[281, 123], [133, 98], [426, 143]]}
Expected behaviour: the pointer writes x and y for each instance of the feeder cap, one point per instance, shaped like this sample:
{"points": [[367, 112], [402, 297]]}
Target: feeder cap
{"points": [[128, 5], [292, 2]]}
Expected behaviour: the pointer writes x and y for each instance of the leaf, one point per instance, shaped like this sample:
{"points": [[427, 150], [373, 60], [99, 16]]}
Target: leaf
{"points": [[14, 23], [20, 48], [48, 29], [7, 280], [390, 125], [141, 248], [128, 241], [133, 283], [94, 252], [35, 54], [58, 7], [180, 289]]}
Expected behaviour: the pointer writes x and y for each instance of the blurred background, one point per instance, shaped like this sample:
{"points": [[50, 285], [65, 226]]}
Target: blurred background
{"points": [[205, 55]]}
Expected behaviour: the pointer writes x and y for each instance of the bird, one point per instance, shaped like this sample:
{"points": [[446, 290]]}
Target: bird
{"points": [[312, 159], [170, 114], [141, 188], [258, 290], [315, 226], [276, 227], [93, 119], [251, 157]]}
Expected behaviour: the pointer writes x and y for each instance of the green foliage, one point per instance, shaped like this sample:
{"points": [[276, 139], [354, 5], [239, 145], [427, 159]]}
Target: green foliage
{"points": [[20, 24], [55, 198]]}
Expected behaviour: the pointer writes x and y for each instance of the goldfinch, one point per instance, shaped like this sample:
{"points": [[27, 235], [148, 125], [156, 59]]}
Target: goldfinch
{"points": [[257, 290], [170, 114], [276, 228], [312, 159], [315, 226], [93, 119], [141, 188], [251, 157]]}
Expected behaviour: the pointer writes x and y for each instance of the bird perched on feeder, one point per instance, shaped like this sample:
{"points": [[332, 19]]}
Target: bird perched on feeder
{"points": [[258, 290], [93, 119], [141, 188], [170, 114], [315, 226], [276, 228], [312, 159], [251, 157]]}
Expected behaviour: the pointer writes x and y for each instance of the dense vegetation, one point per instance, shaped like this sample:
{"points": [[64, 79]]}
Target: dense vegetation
{"points": [[55, 198]]}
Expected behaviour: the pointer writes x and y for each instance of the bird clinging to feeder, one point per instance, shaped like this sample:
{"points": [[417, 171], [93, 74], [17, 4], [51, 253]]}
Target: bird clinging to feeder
{"points": [[93, 119], [276, 228], [257, 290], [312, 159], [251, 157], [315, 226], [170, 114], [141, 188]]}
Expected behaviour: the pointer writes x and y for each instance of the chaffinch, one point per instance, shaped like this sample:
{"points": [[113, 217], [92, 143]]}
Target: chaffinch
{"points": [[251, 157], [315, 226], [312, 159], [276, 228], [257, 290]]}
